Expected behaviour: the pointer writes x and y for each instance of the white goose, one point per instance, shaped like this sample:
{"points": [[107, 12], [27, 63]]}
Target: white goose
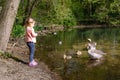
{"points": [[93, 52]]}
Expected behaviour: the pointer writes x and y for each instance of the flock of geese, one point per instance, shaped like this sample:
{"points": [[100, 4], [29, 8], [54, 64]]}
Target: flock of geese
{"points": [[93, 53]]}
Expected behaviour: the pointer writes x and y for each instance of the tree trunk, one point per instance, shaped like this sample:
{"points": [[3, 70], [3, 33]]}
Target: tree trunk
{"points": [[29, 8], [7, 18]]}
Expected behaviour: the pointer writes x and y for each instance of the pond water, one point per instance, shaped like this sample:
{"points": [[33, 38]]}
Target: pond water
{"points": [[50, 49]]}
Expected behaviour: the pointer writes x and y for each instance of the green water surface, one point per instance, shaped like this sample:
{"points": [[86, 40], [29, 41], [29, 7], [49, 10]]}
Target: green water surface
{"points": [[50, 49]]}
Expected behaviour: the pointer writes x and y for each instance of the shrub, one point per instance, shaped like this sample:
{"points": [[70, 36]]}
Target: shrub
{"points": [[17, 31]]}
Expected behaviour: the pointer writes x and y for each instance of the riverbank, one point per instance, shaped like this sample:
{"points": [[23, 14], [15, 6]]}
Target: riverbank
{"points": [[16, 66], [13, 70]]}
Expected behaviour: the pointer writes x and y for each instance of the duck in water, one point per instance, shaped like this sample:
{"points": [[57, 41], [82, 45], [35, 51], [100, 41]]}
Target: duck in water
{"points": [[70, 54], [93, 52]]}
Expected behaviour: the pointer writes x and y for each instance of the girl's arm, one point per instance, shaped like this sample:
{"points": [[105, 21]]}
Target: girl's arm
{"points": [[33, 33]]}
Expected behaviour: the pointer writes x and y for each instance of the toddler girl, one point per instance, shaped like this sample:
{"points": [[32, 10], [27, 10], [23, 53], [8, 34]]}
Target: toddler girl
{"points": [[30, 38]]}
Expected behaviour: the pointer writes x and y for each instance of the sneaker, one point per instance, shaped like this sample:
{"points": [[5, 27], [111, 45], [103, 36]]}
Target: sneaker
{"points": [[33, 64]]}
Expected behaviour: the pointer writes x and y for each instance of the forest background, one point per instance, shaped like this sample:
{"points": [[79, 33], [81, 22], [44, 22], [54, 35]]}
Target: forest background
{"points": [[66, 13]]}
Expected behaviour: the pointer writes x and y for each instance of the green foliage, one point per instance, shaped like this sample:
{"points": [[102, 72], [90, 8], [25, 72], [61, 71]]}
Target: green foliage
{"points": [[17, 31], [77, 10], [39, 28], [70, 12], [114, 12], [5, 55], [2, 2], [54, 12], [64, 16]]}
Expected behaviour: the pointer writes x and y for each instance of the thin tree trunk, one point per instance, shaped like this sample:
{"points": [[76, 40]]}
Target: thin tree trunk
{"points": [[29, 8], [6, 22], [32, 6]]}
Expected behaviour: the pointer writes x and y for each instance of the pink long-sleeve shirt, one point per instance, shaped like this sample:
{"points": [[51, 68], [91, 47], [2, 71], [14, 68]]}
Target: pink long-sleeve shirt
{"points": [[30, 35]]}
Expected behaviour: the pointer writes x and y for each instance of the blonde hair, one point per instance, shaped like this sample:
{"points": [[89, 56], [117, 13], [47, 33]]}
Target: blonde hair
{"points": [[28, 21]]}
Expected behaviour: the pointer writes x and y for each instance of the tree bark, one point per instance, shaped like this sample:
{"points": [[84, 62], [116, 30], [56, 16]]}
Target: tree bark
{"points": [[7, 18]]}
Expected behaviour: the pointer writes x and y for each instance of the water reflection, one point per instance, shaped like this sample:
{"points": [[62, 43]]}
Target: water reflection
{"points": [[51, 51]]}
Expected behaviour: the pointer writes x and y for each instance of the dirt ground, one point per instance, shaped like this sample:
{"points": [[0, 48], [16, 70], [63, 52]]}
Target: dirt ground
{"points": [[16, 67]]}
